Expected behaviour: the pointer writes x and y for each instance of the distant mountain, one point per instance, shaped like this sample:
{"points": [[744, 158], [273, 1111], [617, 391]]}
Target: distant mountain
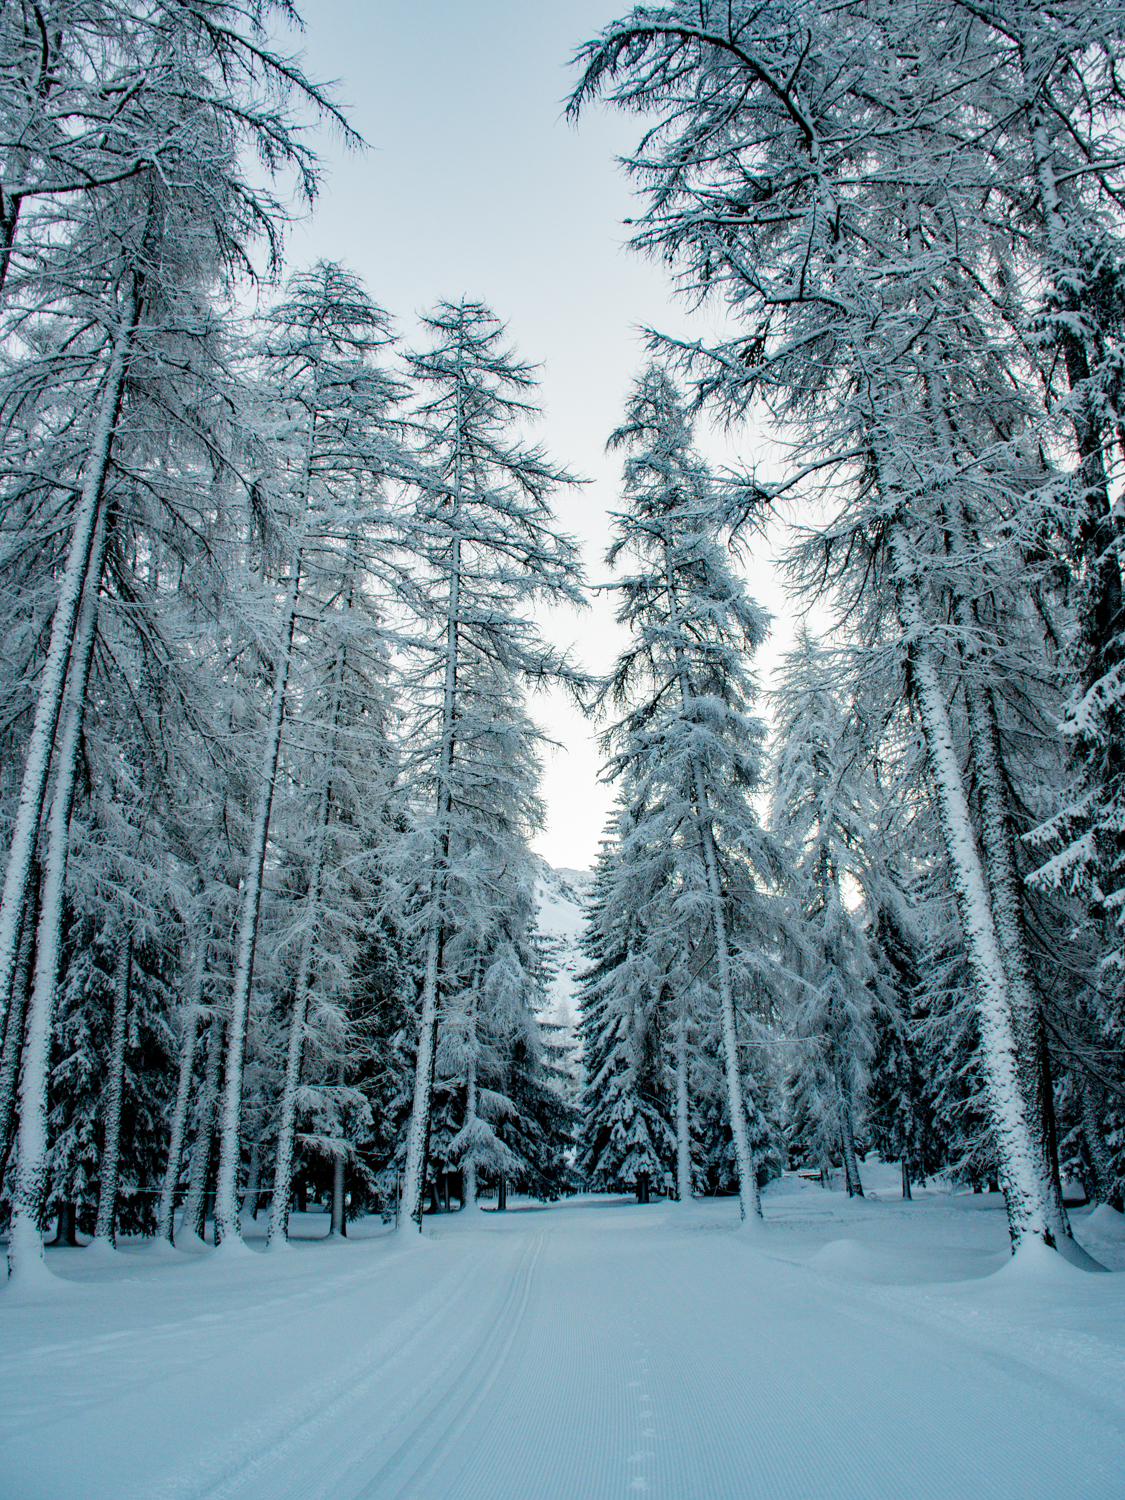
{"points": [[561, 895]]}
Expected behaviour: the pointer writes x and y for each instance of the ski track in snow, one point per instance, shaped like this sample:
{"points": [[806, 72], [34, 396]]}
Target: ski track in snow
{"points": [[588, 1351]]}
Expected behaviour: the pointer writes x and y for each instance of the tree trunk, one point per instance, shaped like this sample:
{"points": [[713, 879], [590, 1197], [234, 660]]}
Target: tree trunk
{"points": [[418, 1131], [683, 1123], [847, 1135], [13, 1033], [998, 841], [178, 1127], [195, 1204], [468, 1161], [114, 1088], [25, 1246], [254, 1175], [338, 1224], [1028, 1212], [502, 1194], [230, 1141], [283, 1170], [1107, 1188], [906, 1193], [81, 579]]}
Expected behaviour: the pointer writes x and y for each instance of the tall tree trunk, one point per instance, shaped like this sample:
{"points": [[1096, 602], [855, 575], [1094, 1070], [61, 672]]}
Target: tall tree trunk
{"points": [[847, 1138], [278, 1231], [13, 1032], [418, 1131], [230, 1139], [338, 1224], [81, 578], [195, 1204], [683, 1123], [114, 1088], [417, 1141], [749, 1198], [25, 1246], [1107, 1185], [178, 1128], [254, 1175], [997, 824], [468, 1161], [1028, 1210], [998, 840]]}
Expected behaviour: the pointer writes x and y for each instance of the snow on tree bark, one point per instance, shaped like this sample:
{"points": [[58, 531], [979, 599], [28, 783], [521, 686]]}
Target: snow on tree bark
{"points": [[25, 1251], [86, 545], [111, 1096]]}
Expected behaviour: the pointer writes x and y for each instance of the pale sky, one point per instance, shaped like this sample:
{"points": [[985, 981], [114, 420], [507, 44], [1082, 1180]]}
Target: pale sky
{"points": [[473, 185]]}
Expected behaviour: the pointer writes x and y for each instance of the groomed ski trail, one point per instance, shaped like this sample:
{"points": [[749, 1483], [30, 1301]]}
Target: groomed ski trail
{"points": [[585, 1351]]}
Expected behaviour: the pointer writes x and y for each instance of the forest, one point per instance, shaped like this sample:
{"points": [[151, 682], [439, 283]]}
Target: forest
{"points": [[273, 601]]}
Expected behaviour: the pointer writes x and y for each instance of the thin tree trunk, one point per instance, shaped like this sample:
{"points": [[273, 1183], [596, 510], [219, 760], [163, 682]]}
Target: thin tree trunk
{"points": [[338, 1225], [114, 1088], [906, 1193], [195, 1204], [278, 1231], [230, 1140], [749, 1198], [192, 1015], [13, 1033], [468, 1162], [847, 1135], [418, 1131], [1107, 1188], [683, 1124], [254, 1175], [25, 1246], [81, 578]]}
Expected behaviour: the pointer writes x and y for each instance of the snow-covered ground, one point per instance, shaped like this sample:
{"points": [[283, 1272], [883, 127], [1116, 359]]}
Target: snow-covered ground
{"points": [[582, 1351]]}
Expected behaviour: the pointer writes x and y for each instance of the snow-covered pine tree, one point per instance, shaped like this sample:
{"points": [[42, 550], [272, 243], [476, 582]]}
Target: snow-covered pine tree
{"points": [[821, 813], [630, 1131], [688, 744], [489, 549]]}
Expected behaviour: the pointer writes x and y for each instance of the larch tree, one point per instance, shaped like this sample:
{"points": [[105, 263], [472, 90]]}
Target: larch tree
{"points": [[489, 550]]}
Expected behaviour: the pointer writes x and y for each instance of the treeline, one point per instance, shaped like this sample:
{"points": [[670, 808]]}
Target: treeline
{"points": [[268, 587], [910, 218]]}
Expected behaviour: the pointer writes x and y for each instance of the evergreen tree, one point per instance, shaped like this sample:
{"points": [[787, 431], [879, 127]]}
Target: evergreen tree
{"points": [[486, 541], [688, 744]]}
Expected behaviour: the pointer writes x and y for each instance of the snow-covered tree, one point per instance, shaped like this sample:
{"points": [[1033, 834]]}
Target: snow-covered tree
{"points": [[489, 550], [820, 815], [688, 744], [816, 172]]}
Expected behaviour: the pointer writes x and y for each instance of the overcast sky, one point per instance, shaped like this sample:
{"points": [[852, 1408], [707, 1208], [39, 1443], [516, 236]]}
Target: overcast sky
{"points": [[474, 185]]}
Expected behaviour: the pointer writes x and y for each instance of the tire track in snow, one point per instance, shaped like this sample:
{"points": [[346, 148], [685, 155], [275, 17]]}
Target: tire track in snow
{"points": [[437, 1427], [255, 1450]]}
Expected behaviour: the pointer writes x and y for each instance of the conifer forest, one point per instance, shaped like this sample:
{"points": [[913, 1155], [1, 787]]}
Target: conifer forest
{"points": [[779, 1154]]}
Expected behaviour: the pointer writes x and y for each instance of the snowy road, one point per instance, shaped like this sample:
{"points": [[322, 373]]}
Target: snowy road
{"points": [[581, 1352]]}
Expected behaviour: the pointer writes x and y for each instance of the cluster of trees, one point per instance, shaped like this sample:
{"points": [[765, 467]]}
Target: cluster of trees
{"points": [[268, 774], [268, 601], [911, 216]]}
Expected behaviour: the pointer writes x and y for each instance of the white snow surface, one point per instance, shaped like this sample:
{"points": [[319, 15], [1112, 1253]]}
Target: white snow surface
{"points": [[581, 1351]]}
